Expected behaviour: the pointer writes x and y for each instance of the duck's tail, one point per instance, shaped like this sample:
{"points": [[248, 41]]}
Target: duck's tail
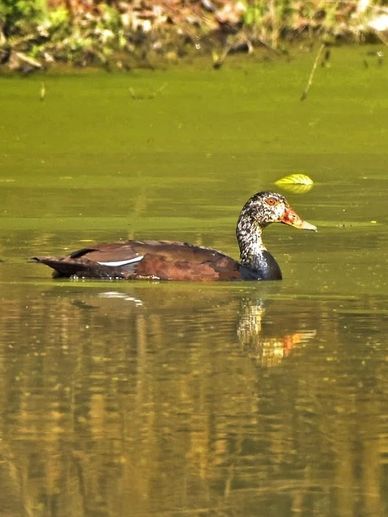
{"points": [[61, 268], [68, 267]]}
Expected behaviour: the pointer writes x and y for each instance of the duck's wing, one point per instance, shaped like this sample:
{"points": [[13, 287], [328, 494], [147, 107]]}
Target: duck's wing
{"points": [[164, 260]]}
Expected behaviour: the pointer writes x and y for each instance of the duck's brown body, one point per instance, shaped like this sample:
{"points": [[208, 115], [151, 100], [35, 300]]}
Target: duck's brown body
{"points": [[169, 260], [163, 260]]}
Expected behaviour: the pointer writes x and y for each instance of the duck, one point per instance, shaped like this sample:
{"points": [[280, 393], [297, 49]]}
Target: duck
{"points": [[172, 260]]}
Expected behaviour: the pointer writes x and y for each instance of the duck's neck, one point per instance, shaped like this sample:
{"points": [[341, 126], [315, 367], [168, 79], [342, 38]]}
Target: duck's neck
{"points": [[253, 254]]}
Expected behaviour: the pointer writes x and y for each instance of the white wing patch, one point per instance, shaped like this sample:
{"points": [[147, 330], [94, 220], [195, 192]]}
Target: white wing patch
{"points": [[119, 263]]}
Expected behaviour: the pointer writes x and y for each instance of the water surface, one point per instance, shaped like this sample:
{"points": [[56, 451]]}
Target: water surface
{"points": [[195, 399]]}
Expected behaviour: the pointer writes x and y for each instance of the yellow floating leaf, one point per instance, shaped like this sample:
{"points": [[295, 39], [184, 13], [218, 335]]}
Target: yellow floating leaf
{"points": [[298, 183], [295, 179]]}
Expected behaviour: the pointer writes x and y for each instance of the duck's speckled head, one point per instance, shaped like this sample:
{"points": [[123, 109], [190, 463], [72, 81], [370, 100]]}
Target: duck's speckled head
{"points": [[258, 212], [265, 208]]}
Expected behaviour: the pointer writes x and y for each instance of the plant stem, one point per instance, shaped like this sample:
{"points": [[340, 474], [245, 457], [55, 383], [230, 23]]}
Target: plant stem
{"points": [[311, 77]]}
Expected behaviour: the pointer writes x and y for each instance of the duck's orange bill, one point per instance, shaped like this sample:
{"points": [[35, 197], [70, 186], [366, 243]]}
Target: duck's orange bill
{"points": [[292, 218]]}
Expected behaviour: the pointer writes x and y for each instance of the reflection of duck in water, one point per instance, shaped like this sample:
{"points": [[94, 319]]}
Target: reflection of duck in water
{"points": [[251, 318], [263, 332], [167, 260], [267, 348]]}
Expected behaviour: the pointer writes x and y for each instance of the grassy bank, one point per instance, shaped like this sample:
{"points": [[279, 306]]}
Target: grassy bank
{"points": [[36, 34]]}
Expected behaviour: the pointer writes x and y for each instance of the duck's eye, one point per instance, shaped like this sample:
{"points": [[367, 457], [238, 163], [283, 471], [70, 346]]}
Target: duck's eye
{"points": [[272, 201]]}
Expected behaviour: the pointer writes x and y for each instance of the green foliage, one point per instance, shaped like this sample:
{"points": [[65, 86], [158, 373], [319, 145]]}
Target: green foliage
{"points": [[268, 19], [253, 14], [17, 16], [57, 18], [122, 32]]}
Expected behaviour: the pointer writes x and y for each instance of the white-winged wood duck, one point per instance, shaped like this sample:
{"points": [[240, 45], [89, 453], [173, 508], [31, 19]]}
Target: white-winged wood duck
{"points": [[169, 260]]}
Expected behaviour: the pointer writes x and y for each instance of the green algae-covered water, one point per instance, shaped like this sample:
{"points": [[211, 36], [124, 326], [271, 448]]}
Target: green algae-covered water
{"points": [[195, 399]]}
